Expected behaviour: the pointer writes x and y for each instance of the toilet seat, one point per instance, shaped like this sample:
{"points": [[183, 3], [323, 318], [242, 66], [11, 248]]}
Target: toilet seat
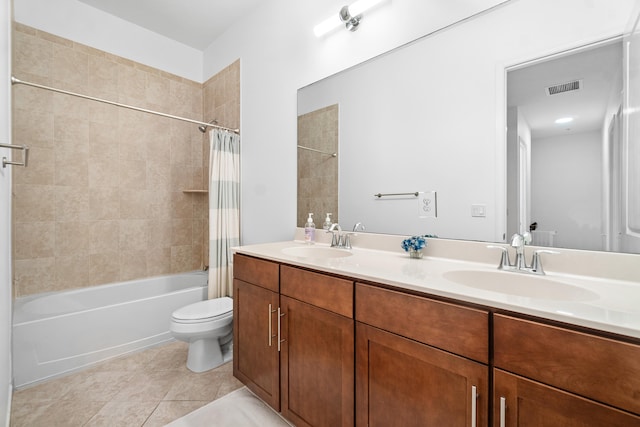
{"points": [[204, 311]]}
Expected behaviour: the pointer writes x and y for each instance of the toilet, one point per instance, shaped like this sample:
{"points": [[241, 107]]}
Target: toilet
{"points": [[208, 328]]}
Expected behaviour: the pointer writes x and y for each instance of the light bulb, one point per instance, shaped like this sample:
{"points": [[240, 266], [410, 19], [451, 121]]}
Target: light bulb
{"points": [[362, 6]]}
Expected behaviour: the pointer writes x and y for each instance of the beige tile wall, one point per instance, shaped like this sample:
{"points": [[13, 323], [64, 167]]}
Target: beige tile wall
{"points": [[102, 199], [318, 173]]}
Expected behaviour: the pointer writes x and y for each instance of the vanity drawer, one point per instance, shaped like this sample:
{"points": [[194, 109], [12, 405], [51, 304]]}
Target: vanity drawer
{"points": [[599, 368], [256, 271], [321, 290], [457, 329]]}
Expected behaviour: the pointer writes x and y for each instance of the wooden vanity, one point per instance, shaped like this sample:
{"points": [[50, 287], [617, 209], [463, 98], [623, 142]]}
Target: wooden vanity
{"points": [[331, 350]]}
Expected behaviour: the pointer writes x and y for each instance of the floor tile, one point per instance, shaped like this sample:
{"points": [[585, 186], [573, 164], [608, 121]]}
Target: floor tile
{"points": [[151, 388], [123, 414], [168, 411]]}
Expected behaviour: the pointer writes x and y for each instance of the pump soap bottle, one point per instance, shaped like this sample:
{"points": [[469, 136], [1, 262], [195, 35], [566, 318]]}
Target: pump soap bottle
{"points": [[327, 222], [310, 231]]}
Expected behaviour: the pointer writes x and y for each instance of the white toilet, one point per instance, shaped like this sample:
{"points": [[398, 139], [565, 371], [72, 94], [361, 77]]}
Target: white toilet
{"points": [[208, 328]]}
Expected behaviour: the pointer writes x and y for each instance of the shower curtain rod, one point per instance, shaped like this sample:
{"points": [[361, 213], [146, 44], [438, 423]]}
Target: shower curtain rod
{"points": [[15, 81]]}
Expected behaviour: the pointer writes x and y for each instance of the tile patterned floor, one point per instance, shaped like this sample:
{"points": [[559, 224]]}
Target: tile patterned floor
{"points": [[150, 388]]}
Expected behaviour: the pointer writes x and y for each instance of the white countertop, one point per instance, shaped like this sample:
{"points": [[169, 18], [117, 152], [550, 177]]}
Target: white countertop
{"points": [[608, 304]]}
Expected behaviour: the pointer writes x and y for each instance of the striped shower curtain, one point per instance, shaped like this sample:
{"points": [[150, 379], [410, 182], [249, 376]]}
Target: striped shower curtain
{"points": [[224, 209]]}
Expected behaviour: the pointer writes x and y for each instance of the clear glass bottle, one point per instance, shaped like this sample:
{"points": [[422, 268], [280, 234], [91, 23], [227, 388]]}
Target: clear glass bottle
{"points": [[327, 222]]}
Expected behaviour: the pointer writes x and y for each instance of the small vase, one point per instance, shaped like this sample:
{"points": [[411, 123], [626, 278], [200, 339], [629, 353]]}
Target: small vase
{"points": [[415, 253]]}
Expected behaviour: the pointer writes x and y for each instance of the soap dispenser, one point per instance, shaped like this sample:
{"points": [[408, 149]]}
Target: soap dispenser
{"points": [[327, 222], [310, 230]]}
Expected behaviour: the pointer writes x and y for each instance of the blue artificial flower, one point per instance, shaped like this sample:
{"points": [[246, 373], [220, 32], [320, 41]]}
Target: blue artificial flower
{"points": [[414, 242]]}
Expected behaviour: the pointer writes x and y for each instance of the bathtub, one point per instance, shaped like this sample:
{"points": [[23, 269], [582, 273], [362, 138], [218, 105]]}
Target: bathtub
{"points": [[60, 332]]}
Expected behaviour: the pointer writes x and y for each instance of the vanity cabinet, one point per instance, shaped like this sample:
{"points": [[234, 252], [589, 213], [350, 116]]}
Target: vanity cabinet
{"points": [[317, 357], [327, 351], [551, 376], [294, 341], [419, 362], [256, 361]]}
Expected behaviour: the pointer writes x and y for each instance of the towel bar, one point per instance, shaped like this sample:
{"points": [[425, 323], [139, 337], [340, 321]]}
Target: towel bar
{"points": [[25, 155]]}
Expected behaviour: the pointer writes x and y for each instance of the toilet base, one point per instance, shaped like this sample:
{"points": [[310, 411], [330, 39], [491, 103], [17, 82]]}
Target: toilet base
{"points": [[206, 354]]}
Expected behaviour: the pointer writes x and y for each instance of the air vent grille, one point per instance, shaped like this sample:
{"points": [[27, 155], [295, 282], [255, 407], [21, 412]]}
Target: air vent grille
{"points": [[564, 87]]}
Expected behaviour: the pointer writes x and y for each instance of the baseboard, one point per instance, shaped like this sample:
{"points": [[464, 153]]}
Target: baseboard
{"points": [[7, 420]]}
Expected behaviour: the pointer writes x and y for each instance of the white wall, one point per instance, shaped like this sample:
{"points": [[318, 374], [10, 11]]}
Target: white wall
{"points": [[5, 216], [280, 54], [400, 131], [566, 194], [630, 239], [524, 135], [80, 22]]}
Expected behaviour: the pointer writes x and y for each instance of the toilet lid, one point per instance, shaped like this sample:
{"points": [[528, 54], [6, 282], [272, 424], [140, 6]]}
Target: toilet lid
{"points": [[204, 309]]}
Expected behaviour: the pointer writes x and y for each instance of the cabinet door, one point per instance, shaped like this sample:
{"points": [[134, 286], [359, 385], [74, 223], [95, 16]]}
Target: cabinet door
{"points": [[255, 346], [519, 402], [317, 357], [400, 382], [598, 368]]}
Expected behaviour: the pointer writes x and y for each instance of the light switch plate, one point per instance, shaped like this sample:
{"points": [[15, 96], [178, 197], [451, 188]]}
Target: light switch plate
{"points": [[427, 204], [479, 210]]}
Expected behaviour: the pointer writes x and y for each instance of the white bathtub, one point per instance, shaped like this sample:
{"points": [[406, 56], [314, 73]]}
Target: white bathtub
{"points": [[60, 332]]}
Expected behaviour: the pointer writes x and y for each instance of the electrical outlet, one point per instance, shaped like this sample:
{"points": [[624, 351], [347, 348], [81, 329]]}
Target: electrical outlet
{"points": [[427, 204]]}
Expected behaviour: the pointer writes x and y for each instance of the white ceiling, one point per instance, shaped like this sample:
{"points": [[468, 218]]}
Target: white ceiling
{"points": [[599, 68], [195, 23]]}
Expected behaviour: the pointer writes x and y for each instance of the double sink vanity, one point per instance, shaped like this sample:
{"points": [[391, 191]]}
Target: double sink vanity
{"points": [[370, 337]]}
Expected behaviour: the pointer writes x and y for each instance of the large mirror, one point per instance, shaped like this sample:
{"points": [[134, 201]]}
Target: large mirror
{"points": [[439, 121]]}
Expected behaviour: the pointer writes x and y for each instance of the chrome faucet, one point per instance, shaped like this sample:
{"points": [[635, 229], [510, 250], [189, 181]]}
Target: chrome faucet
{"points": [[518, 241], [358, 227], [339, 239]]}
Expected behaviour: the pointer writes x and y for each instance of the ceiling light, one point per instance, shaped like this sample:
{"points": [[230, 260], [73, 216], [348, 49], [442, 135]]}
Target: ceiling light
{"points": [[564, 120], [350, 16]]}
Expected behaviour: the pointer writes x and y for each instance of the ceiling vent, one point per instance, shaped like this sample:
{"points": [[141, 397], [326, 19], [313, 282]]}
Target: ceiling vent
{"points": [[564, 87]]}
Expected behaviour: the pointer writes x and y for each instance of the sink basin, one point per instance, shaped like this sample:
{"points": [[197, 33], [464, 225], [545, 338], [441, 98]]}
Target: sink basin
{"points": [[316, 252], [538, 287]]}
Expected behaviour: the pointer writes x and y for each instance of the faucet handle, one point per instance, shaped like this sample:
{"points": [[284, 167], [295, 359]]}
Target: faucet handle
{"points": [[504, 259], [346, 241], [336, 236], [536, 264]]}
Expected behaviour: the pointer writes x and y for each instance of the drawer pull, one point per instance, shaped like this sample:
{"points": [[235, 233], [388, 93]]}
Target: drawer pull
{"points": [[280, 341], [474, 398], [503, 412], [271, 311]]}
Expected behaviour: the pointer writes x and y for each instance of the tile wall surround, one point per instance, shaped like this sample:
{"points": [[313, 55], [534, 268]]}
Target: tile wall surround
{"points": [[318, 173], [102, 199]]}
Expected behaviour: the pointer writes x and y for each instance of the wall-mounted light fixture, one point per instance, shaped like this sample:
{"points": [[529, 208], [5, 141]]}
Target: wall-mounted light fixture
{"points": [[350, 16]]}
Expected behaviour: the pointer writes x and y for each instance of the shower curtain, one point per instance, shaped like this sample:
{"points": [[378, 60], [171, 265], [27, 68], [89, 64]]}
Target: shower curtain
{"points": [[224, 209]]}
